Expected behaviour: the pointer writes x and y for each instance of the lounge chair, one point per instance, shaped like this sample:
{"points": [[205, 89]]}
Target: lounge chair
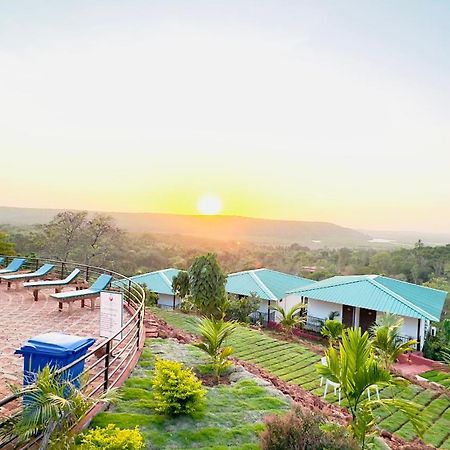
{"points": [[13, 266], [39, 273], [90, 293], [57, 284]]}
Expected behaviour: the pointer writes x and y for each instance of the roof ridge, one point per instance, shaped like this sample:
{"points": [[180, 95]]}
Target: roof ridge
{"points": [[402, 299], [314, 285], [269, 270], [262, 285], [166, 279], [241, 272]]}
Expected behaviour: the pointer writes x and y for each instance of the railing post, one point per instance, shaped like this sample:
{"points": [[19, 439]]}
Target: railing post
{"points": [[62, 269], [106, 373], [37, 264], [138, 338], [87, 273], [129, 292]]}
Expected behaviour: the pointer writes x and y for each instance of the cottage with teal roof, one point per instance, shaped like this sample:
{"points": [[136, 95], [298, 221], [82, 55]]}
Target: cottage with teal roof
{"points": [[269, 285], [361, 299], [160, 282]]}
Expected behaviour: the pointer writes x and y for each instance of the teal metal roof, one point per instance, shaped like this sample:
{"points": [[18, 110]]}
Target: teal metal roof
{"points": [[267, 284], [159, 281], [379, 293]]}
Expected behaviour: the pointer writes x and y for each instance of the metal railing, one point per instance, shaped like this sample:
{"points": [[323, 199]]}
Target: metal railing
{"points": [[314, 324], [107, 362], [405, 339]]}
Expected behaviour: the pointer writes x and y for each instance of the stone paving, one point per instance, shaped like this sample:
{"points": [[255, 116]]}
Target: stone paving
{"points": [[21, 318]]}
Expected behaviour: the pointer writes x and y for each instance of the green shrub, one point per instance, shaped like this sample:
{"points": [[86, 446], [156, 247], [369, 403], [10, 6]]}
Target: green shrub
{"points": [[151, 298], [298, 430], [111, 438], [176, 389], [240, 309], [435, 347]]}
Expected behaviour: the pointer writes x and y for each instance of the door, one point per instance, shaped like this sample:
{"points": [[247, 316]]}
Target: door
{"points": [[348, 315], [367, 318]]}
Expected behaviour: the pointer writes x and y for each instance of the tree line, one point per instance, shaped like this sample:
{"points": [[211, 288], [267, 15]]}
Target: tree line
{"points": [[96, 240]]}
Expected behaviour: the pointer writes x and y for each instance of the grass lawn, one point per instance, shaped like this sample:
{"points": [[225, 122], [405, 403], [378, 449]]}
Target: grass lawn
{"points": [[295, 363], [438, 376], [231, 419]]}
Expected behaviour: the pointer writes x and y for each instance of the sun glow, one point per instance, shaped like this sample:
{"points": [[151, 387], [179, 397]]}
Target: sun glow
{"points": [[209, 205]]}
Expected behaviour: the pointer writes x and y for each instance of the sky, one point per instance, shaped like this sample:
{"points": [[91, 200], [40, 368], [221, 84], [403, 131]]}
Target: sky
{"points": [[302, 110]]}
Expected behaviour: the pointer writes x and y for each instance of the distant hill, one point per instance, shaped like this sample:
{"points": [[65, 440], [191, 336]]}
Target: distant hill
{"points": [[310, 234]]}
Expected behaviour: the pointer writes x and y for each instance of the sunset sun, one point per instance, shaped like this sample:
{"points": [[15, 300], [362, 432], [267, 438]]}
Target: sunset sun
{"points": [[209, 205]]}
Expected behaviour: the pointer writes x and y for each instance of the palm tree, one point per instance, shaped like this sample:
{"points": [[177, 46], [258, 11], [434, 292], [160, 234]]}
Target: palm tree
{"points": [[387, 343], [355, 368], [214, 333], [332, 330], [387, 320], [291, 318], [51, 407]]}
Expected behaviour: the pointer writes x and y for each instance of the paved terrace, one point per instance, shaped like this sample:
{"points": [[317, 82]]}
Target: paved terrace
{"points": [[21, 318]]}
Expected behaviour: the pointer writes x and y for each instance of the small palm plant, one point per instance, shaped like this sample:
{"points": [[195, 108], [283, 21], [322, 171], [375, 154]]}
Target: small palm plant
{"points": [[332, 330], [214, 334], [291, 317], [387, 343], [355, 368], [51, 407]]}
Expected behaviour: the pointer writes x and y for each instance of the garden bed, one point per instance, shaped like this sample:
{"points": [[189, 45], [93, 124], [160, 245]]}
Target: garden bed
{"points": [[296, 364], [232, 417]]}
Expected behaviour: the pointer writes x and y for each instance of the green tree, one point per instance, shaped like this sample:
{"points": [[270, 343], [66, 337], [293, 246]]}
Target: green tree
{"points": [[94, 233], [387, 342], [207, 285], [180, 284], [332, 330], [62, 234], [291, 318], [7, 247], [214, 334], [355, 369]]}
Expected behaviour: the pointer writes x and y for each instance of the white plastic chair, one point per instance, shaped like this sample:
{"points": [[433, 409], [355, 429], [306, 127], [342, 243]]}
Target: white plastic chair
{"points": [[376, 390], [336, 386]]}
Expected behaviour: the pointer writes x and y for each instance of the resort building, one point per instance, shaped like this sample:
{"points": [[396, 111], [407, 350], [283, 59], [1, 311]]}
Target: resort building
{"points": [[160, 282], [270, 285], [361, 299]]}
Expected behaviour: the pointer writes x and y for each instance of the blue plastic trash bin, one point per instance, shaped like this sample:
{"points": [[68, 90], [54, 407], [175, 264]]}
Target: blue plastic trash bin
{"points": [[55, 350]]}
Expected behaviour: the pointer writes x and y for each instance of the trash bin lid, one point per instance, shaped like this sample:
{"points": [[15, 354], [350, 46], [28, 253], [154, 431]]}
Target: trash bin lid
{"points": [[56, 344]]}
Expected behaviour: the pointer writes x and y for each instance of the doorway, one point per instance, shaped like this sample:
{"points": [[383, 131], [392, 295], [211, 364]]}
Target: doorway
{"points": [[348, 315], [367, 318]]}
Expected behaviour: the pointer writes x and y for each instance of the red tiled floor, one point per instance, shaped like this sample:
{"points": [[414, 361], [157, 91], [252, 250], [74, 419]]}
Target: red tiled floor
{"points": [[22, 318]]}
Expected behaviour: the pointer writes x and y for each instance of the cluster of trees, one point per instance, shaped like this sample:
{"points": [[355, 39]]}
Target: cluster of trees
{"points": [[202, 288], [96, 239]]}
